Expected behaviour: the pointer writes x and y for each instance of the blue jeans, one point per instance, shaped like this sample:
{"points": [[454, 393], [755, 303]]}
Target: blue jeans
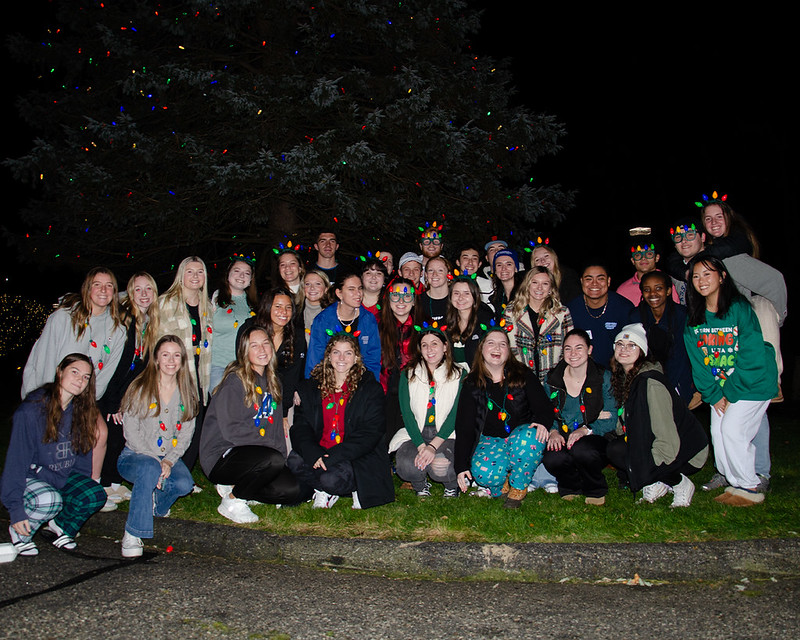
{"points": [[146, 501]]}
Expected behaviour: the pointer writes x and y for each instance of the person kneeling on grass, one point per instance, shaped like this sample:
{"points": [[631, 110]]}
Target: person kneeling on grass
{"points": [[47, 473], [158, 412], [585, 413], [661, 443], [429, 390], [338, 444], [243, 447], [500, 432]]}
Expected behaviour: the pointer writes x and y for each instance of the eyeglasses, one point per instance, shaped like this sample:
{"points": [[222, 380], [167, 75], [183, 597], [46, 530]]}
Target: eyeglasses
{"points": [[679, 237], [396, 296], [640, 255], [434, 241], [621, 346]]}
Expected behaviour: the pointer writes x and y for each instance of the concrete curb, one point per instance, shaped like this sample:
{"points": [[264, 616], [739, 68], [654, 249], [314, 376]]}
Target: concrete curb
{"points": [[452, 560]]}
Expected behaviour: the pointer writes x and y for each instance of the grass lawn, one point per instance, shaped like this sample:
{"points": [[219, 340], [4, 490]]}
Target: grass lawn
{"points": [[542, 517]]}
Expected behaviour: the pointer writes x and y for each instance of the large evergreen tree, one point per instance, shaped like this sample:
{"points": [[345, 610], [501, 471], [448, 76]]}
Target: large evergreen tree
{"points": [[187, 126]]}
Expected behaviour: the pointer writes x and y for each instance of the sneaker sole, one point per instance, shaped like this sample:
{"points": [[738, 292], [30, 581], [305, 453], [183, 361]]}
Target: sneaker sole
{"points": [[238, 520]]}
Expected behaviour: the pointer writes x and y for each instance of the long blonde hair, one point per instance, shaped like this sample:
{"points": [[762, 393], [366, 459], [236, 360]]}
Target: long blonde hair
{"points": [[552, 303], [142, 393], [242, 368], [175, 292], [147, 325]]}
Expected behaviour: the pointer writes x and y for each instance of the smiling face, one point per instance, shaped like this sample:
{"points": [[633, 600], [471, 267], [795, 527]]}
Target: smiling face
{"points": [[143, 293], [239, 277], [540, 287], [595, 283], [541, 257], [432, 349], [469, 261], [313, 287], [706, 280], [259, 352], [576, 352], [342, 358], [655, 292], [690, 243], [289, 268], [436, 273], [505, 268], [715, 221], [626, 353], [351, 292], [461, 296], [169, 359], [644, 259], [280, 313], [495, 350], [74, 379], [401, 300], [373, 280], [411, 270], [101, 292], [194, 276]]}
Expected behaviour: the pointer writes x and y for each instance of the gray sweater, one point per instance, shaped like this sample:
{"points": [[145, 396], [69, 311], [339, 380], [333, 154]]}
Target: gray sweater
{"points": [[229, 423], [144, 434]]}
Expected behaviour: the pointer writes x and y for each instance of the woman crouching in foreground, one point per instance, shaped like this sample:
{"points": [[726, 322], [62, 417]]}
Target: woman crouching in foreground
{"points": [[338, 444], [500, 432], [158, 423], [662, 443], [48, 468], [243, 448]]}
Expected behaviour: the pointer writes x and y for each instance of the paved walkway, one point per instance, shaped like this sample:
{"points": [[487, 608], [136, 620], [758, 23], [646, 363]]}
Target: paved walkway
{"points": [[454, 560]]}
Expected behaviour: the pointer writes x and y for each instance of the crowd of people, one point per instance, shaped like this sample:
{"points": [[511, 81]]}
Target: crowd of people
{"points": [[495, 374]]}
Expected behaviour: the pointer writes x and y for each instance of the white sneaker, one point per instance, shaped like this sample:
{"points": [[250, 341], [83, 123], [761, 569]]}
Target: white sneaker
{"points": [[550, 488], [110, 505], [118, 492], [224, 490], [653, 492], [112, 495], [236, 510], [356, 503], [683, 492], [197, 489], [323, 500], [481, 492], [132, 546]]}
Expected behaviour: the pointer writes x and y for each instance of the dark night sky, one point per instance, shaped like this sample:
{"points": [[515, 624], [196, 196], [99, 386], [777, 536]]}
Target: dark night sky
{"points": [[659, 109]]}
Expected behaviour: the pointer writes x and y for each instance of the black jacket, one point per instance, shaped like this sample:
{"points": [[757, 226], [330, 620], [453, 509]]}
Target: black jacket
{"points": [[363, 444]]}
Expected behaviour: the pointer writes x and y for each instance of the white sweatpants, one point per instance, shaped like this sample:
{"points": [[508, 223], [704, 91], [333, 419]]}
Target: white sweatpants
{"points": [[732, 434]]}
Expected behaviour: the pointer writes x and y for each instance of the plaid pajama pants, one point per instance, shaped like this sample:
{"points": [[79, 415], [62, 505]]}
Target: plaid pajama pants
{"points": [[79, 499]]}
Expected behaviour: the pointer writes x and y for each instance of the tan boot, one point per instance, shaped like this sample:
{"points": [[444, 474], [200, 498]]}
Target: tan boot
{"points": [[515, 498], [505, 489]]}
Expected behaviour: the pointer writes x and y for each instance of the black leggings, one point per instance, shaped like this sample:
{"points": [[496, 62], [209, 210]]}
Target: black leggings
{"points": [[257, 473], [580, 469], [617, 453], [338, 479]]}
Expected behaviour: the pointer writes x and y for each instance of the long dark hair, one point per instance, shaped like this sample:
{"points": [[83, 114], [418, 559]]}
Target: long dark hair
{"points": [[84, 408], [264, 319], [452, 370], [387, 328], [451, 317], [224, 291], [736, 224], [621, 380], [514, 371], [696, 304]]}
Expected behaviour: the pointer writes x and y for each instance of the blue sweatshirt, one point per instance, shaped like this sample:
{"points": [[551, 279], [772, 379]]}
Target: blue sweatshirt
{"points": [[29, 457]]}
